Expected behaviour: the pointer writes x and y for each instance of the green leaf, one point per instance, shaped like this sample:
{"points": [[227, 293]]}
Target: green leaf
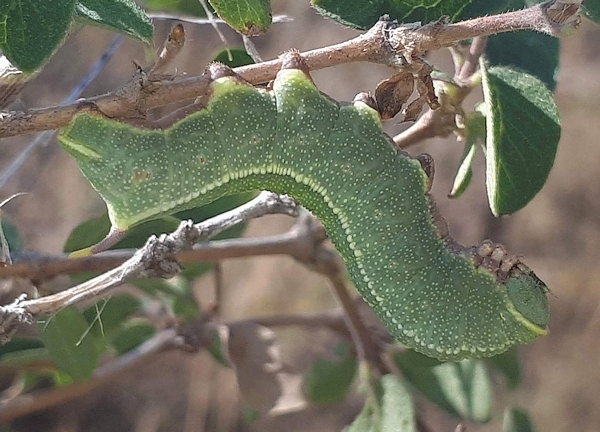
{"points": [[239, 57], [215, 208], [93, 230], [591, 9], [464, 173], [19, 344], [508, 364], [131, 335], [250, 17], [185, 307], [122, 16], [391, 411], [363, 422], [523, 130], [108, 315], [11, 233], [25, 359], [397, 409], [30, 31], [463, 389], [63, 337], [481, 8], [534, 53], [516, 420], [475, 132], [328, 381], [188, 7], [218, 349], [363, 14]]}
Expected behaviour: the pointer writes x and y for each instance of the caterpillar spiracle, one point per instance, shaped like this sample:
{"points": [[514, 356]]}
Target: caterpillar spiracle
{"points": [[434, 295]]}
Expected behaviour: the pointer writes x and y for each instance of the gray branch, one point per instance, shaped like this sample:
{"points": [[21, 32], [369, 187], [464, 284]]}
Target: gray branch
{"points": [[157, 258]]}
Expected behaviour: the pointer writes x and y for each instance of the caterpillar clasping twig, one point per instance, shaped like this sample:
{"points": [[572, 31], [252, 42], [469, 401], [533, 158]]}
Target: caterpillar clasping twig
{"points": [[434, 295]]}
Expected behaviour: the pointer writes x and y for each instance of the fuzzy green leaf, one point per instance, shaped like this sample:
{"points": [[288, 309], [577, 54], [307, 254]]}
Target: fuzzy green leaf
{"points": [[63, 337], [534, 53], [31, 30], [132, 335], [363, 14], [121, 16], [523, 130], [239, 57], [397, 409], [475, 130], [328, 381], [508, 364], [591, 9], [108, 315], [187, 7], [393, 411], [463, 389], [516, 420], [250, 17]]}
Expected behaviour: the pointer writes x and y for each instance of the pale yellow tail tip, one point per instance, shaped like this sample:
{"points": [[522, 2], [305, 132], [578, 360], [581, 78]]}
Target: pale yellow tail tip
{"points": [[82, 253], [114, 236]]}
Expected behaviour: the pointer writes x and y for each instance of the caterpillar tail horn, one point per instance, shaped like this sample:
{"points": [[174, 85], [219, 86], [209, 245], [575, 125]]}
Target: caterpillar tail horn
{"points": [[114, 236]]}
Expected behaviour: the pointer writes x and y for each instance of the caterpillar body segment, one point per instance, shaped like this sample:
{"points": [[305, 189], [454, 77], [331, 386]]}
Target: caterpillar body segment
{"points": [[434, 295]]}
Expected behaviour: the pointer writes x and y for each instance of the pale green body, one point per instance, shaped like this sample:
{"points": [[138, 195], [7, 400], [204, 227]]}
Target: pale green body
{"points": [[339, 164]]}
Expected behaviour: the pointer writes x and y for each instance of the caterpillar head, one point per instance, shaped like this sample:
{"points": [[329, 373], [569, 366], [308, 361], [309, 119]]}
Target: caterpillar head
{"points": [[527, 294]]}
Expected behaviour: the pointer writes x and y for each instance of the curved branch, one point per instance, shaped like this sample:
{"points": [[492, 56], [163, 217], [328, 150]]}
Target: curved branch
{"points": [[385, 43], [156, 259]]}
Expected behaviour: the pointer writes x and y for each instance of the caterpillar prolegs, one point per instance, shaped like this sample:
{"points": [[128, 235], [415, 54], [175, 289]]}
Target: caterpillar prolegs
{"points": [[434, 295]]}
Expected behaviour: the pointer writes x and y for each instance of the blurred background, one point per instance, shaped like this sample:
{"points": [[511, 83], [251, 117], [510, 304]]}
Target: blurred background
{"points": [[558, 233]]}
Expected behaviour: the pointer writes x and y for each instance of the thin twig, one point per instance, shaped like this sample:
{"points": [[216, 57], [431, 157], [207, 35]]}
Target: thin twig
{"points": [[472, 60], [171, 49], [329, 263], [384, 43], [434, 123], [251, 49], [218, 272], [156, 259], [441, 122], [211, 20], [41, 267], [45, 137], [189, 340]]}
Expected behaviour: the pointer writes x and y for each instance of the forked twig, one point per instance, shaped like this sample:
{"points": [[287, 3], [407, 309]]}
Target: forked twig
{"points": [[156, 259]]}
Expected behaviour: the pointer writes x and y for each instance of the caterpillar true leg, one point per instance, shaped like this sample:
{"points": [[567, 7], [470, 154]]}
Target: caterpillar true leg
{"points": [[428, 165]]}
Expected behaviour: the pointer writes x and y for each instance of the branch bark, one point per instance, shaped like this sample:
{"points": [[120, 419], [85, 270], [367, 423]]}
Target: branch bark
{"points": [[156, 259], [385, 43]]}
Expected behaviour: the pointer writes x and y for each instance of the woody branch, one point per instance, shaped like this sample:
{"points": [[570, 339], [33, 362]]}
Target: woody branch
{"points": [[385, 43]]}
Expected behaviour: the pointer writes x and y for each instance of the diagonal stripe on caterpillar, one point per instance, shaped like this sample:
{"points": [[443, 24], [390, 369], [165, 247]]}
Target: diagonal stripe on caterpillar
{"points": [[434, 295]]}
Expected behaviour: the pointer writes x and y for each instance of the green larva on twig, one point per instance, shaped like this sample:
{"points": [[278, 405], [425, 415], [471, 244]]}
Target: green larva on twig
{"points": [[434, 295]]}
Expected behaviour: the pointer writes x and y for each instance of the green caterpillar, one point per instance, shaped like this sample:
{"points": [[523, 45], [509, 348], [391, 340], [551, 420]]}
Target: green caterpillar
{"points": [[434, 295]]}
